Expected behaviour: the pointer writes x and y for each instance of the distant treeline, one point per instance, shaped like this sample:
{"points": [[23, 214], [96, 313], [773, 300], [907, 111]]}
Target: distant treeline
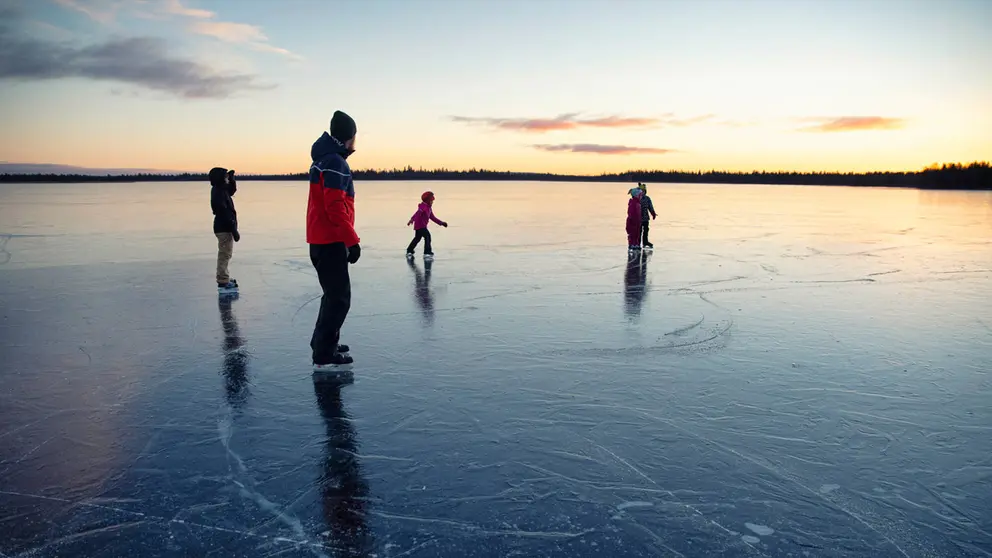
{"points": [[974, 176]]}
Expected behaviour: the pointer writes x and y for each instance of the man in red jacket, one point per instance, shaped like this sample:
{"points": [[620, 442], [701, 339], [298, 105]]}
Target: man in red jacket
{"points": [[332, 238]]}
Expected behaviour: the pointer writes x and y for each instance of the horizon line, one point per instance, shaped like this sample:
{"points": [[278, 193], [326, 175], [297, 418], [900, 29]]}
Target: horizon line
{"points": [[119, 171]]}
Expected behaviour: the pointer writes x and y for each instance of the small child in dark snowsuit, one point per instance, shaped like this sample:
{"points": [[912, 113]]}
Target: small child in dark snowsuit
{"points": [[647, 210], [634, 219], [420, 219]]}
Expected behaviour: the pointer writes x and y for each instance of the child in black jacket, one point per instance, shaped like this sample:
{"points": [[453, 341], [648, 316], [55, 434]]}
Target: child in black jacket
{"points": [[222, 187]]}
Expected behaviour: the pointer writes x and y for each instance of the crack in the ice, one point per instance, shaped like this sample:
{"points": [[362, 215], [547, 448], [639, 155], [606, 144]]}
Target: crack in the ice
{"points": [[657, 538], [90, 359], [614, 488], [225, 431], [829, 281], [4, 254], [776, 471], [405, 422], [373, 457], [34, 422], [472, 528], [413, 549], [507, 293], [963, 271], [169, 522], [972, 523], [675, 500], [28, 454], [302, 306], [853, 392], [80, 535], [714, 281], [877, 273], [681, 330]]}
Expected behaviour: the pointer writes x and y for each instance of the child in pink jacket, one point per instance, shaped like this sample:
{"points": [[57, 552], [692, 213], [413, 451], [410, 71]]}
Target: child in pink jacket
{"points": [[634, 219], [419, 221]]}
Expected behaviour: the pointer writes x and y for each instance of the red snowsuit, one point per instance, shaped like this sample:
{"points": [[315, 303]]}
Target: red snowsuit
{"points": [[634, 220]]}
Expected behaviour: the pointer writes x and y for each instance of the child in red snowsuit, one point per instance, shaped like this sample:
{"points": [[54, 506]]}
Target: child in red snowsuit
{"points": [[634, 219]]}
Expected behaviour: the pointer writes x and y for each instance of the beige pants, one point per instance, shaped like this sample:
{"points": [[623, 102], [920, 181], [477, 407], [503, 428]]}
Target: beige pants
{"points": [[225, 249]]}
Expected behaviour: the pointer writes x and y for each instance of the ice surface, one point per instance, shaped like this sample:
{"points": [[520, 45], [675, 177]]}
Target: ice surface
{"points": [[531, 392]]}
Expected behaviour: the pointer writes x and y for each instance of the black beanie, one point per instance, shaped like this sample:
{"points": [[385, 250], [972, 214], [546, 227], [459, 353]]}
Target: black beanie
{"points": [[342, 126]]}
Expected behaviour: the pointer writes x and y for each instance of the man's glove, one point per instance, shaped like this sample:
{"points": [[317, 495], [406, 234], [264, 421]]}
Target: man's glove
{"points": [[237, 236], [354, 252]]}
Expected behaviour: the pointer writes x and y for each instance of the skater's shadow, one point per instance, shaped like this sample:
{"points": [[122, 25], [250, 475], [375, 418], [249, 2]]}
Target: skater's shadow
{"points": [[422, 289], [634, 282], [343, 489], [235, 366]]}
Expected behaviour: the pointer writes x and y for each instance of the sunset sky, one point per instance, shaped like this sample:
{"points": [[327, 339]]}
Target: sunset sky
{"points": [[577, 86]]}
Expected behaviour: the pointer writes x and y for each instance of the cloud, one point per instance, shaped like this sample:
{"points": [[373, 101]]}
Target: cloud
{"points": [[671, 121], [572, 121], [853, 124], [603, 149], [10, 10], [562, 122], [265, 47], [142, 61], [175, 7], [230, 32], [47, 29], [103, 11], [239, 33]]}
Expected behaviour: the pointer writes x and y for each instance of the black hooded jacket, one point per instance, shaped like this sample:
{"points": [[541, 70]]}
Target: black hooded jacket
{"points": [[225, 216]]}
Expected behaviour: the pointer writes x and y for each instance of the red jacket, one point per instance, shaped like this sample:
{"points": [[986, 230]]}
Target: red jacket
{"points": [[331, 207]]}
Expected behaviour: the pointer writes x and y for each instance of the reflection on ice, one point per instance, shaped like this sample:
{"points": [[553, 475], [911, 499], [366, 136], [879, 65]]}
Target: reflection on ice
{"points": [[635, 281], [343, 490], [235, 367], [422, 289]]}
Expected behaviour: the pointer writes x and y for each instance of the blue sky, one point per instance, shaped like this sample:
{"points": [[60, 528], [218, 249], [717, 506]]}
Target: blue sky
{"points": [[805, 85]]}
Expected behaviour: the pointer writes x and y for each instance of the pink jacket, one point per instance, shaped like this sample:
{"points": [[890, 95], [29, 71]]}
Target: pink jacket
{"points": [[423, 214]]}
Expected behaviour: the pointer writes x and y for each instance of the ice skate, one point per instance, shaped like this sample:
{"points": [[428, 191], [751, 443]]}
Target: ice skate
{"points": [[339, 362], [228, 288]]}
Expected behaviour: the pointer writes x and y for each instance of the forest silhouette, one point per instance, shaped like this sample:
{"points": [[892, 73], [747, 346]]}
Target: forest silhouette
{"points": [[973, 176]]}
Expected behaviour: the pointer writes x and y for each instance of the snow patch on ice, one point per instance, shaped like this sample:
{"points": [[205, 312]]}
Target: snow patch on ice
{"points": [[828, 488], [750, 540], [759, 529]]}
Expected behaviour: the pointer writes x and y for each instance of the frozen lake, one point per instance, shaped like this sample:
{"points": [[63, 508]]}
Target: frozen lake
{"points": [[792, 372]]}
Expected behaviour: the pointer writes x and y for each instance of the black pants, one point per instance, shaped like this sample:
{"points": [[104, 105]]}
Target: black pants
{"points": [[645, 225], [331, 263], [421, 233]]}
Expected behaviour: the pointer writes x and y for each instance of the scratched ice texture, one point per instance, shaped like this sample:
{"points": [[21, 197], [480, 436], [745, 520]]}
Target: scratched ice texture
{"points": [[792, 372]]}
